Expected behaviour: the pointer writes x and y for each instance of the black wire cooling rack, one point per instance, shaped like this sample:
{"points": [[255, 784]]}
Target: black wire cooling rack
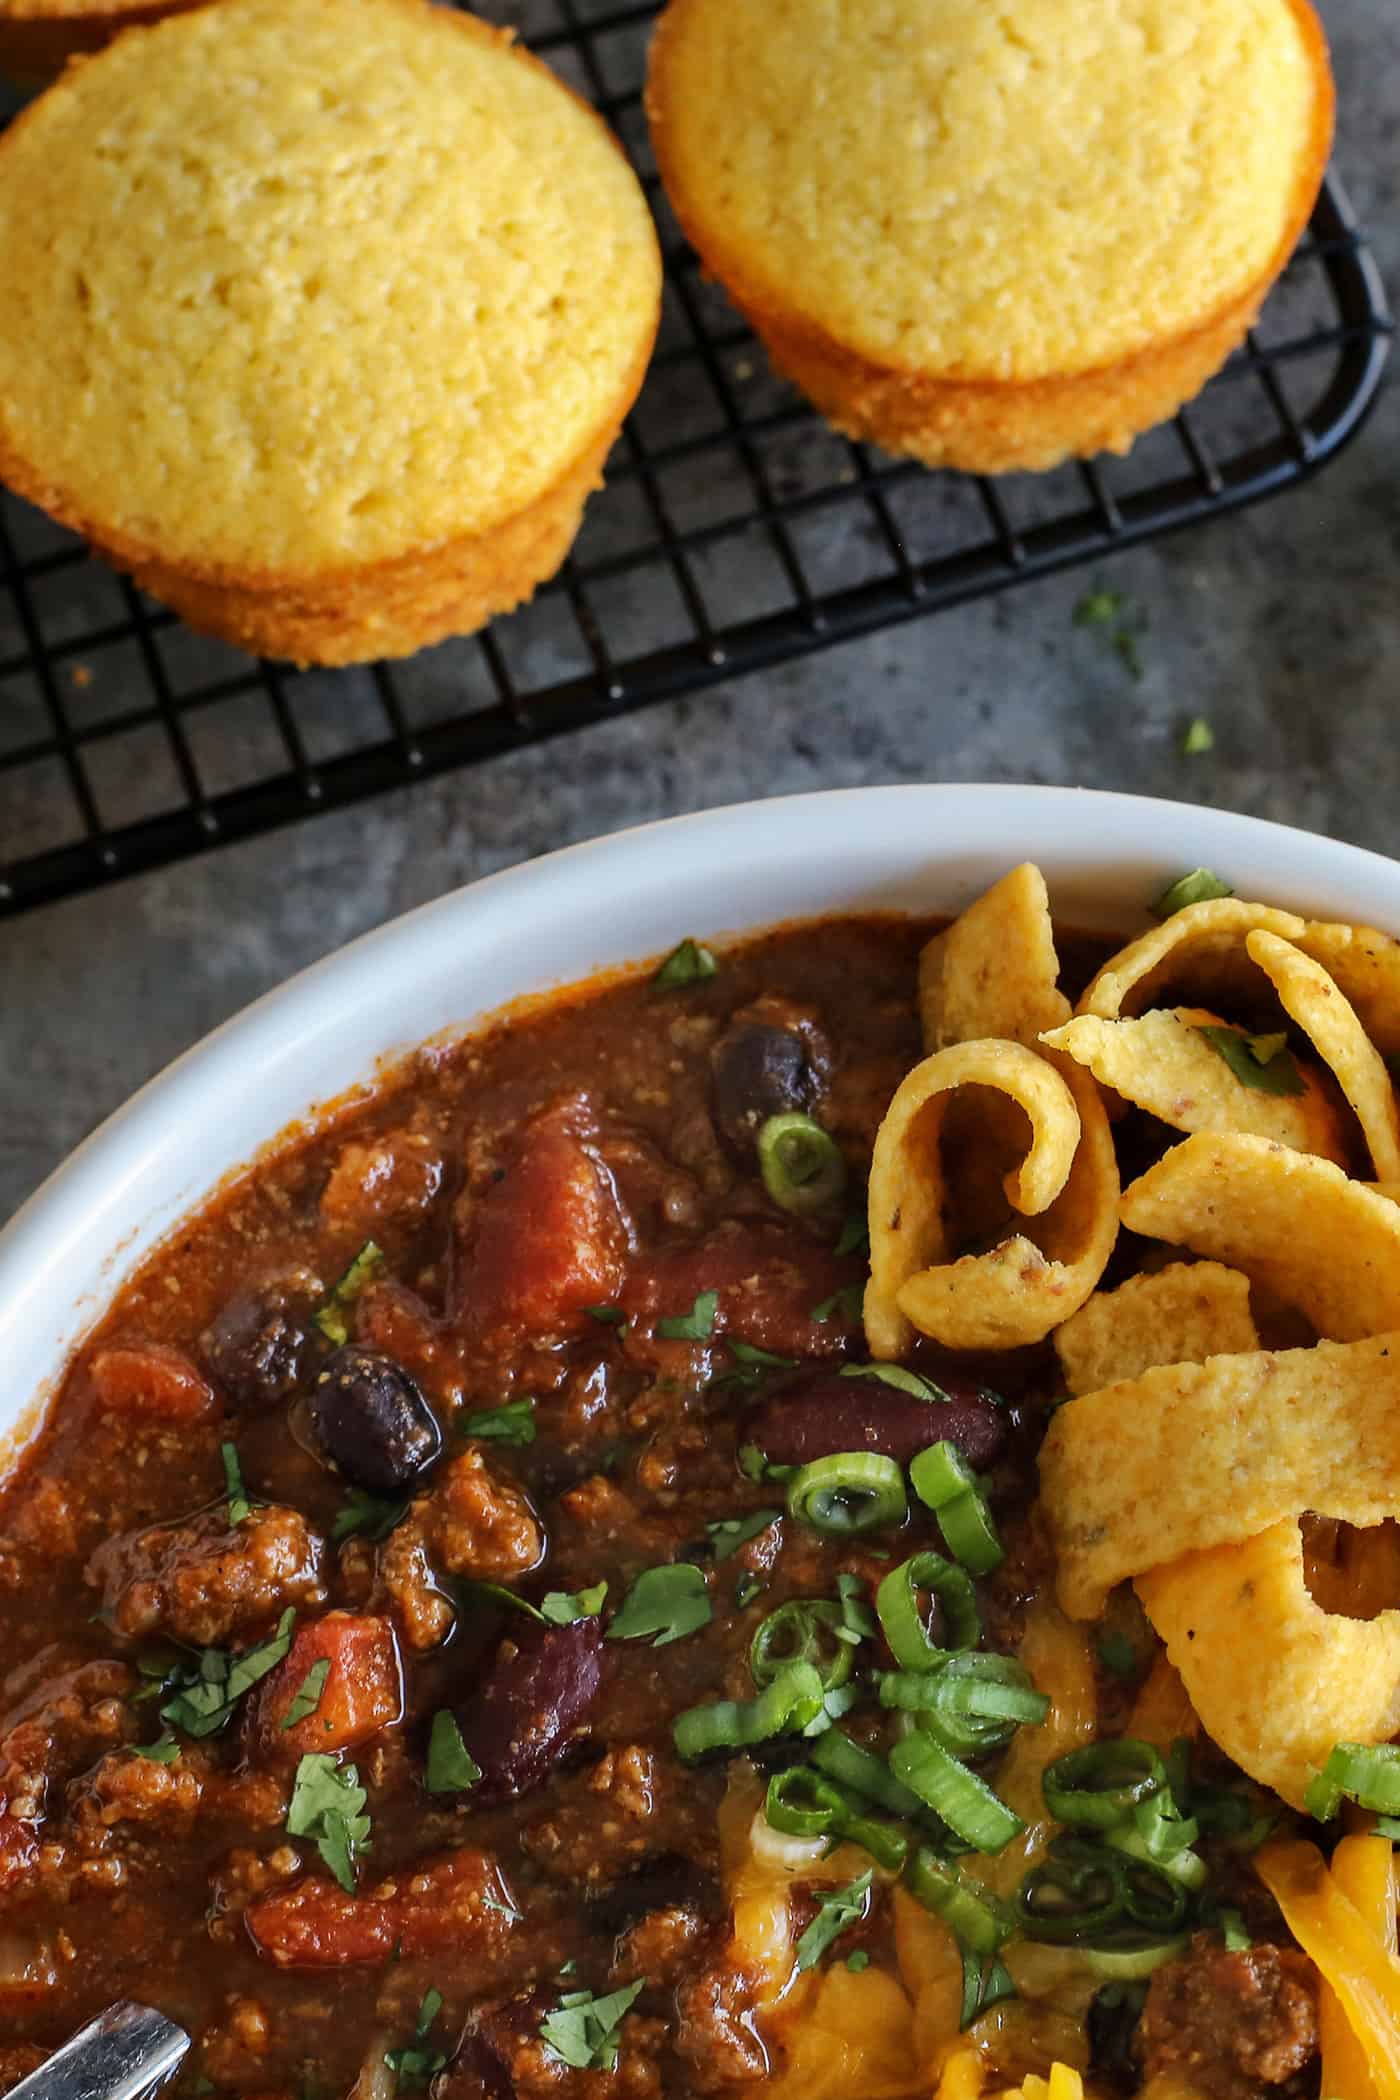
{"points": [[735, 531]]}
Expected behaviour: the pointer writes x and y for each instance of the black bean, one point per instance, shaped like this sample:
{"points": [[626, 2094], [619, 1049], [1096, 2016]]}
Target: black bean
{"points": [[821, 1412], [373, 1421], [758, 1072], [1112, 2023], [533, 1702], [260, 1348]]}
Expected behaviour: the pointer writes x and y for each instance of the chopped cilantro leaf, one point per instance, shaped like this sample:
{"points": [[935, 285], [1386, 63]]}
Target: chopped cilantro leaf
{"points": [[239, 1507], [728, 1534], [760, 1359], [372, 1516], [583, 2033], [986, 1981], [415, 2064], [467, 1591], [163, 1751], [695, 1326], [1258, 1061], [687, 963], [855, 1234], [1197, 738], [512, 1424], [493, 1902], [211, 1684], [668, 1602], [451, 1766], [844, 1304], [1098, 608], [1118, 1655], [308, 1696], [1196, 888], [857, 1961], [745, 1590], [839, 1909], [330, 1314], [328, 1804], [606, 1315], [565, 1607]]}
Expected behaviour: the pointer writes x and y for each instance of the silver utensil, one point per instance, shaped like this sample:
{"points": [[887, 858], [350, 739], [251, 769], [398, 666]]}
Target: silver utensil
{"points": [[125, 2052]]}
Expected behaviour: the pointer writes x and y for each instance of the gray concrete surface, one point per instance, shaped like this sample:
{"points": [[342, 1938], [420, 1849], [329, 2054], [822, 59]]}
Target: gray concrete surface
{"points": [[1280, 627]]}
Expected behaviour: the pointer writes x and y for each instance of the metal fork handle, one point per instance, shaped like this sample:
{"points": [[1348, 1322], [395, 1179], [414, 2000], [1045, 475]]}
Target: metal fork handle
{"points": [[125, 2052]]}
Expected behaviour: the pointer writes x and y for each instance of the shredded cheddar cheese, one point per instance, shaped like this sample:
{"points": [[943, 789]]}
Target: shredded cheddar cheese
{"points": [[1352, 1955]]}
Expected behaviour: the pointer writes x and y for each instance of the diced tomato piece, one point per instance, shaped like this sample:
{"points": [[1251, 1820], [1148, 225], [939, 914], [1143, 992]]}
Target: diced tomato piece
{"points": [[362, 1693], [770, 1280], [456, 1902], [147, 1378], [19, 1848], [546, 1241]]}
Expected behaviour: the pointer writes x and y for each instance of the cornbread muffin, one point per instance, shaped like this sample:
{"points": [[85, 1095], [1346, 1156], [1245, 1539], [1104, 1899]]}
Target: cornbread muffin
{"points": [[38, 37], [993, 236], [319, 316]]}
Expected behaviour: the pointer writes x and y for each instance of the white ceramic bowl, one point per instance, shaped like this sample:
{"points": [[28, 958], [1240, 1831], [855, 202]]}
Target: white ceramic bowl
{"points": [[613, 901]]}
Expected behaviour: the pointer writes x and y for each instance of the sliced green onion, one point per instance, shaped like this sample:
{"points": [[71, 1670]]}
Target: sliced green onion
{"points": [[977, 1920], [970, 1704], [902, 1615], [1184, 1866], [1101, 1784], [848, 1493], [940, 1474], [1160, 1834], [1074, 1895], [801, 1803], [903, 1381], [969, 1533], [1129, 1964], [1367, 1773], [802, 1166], [853, 1766], [1194, 888], [790, 1703], [805, 1630], [963, 1801]]}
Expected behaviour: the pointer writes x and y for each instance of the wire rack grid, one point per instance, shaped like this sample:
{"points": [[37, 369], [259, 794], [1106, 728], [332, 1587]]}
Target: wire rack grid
{"points": [[735, 531]]}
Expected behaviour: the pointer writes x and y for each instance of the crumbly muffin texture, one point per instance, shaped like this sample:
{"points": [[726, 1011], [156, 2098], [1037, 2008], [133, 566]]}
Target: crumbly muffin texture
{"points": [[987, 192], [294, 285]]}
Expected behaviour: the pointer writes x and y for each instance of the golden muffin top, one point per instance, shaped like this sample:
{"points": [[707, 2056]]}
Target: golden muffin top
{"points": [[990, 191], [287, 284]]}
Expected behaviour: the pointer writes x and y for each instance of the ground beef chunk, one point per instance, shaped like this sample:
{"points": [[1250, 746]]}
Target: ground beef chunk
{"points": [[1230, 2024], [17, 2060], [396, 1173], [204, 1581], [54, 1722], [122, 1789], [503, 2057], [470, 1523], [659, 1945], [715, 2030], [599, 1825]]}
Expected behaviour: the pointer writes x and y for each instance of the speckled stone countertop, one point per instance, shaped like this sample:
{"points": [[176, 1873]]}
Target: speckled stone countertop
{"points": [[1279, 627]]}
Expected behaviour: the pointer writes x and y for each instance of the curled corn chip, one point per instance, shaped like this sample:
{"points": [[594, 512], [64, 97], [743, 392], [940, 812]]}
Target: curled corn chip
{"points": [[1275, 1679], [1162, 1063], [1196, 1455], [1202, 945], [1366, 965], [1311, 997], [1323, 1243], [994, 971], [909, 1194], [1178, 1315]]}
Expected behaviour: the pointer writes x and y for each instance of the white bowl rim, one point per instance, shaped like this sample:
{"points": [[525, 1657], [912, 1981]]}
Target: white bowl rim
{"points": [[736, 869]]}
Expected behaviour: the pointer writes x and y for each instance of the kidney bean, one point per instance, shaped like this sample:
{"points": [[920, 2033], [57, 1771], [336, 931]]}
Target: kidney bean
{"points": [[821, 1412], [373, 1421], [531, 1704], [771, 1060]]}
